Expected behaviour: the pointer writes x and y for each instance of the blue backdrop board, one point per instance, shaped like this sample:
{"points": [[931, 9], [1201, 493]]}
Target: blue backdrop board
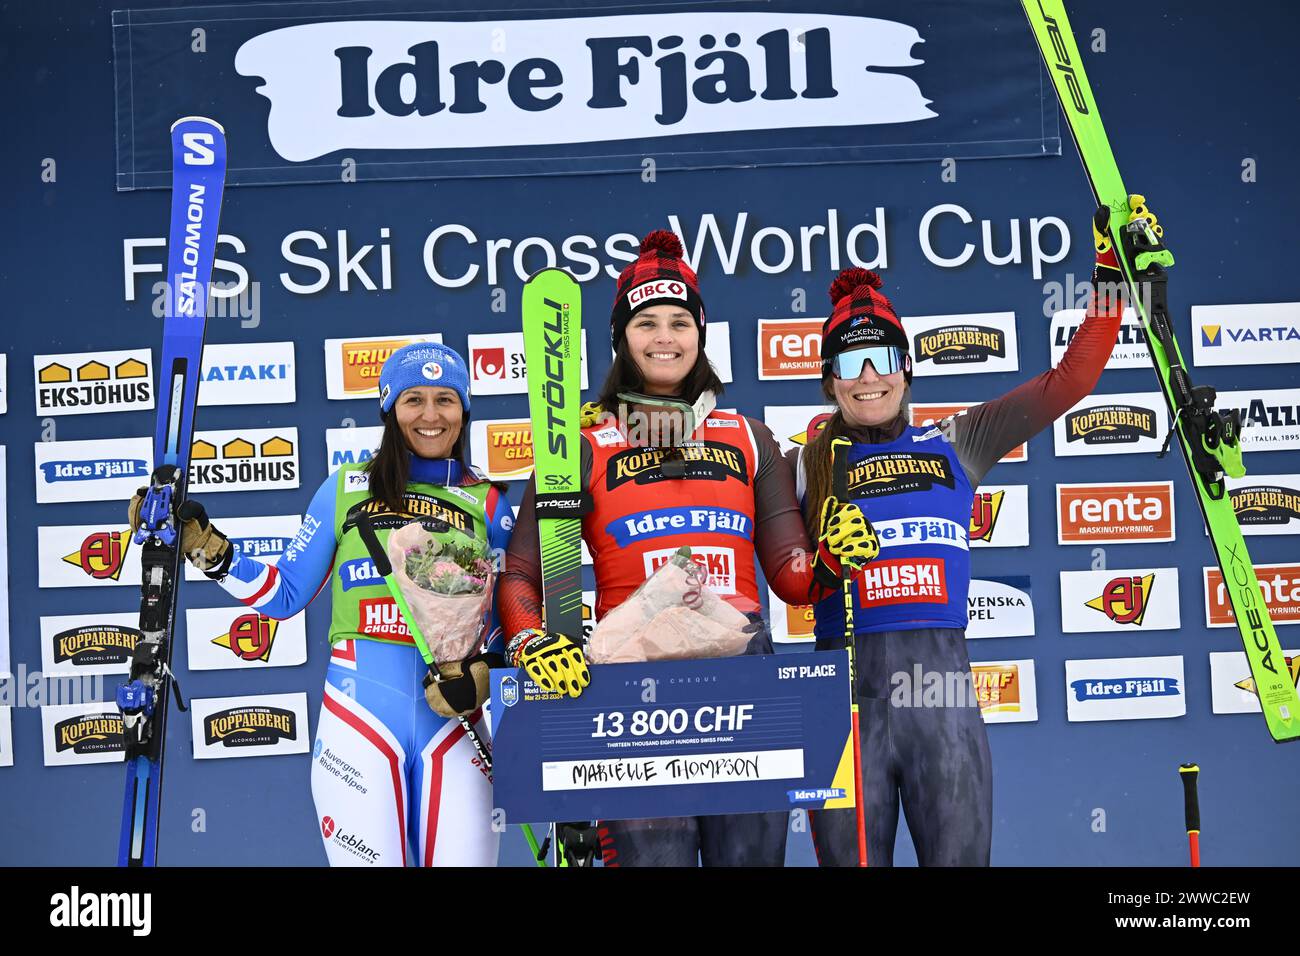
{"points": [[782, 141]]}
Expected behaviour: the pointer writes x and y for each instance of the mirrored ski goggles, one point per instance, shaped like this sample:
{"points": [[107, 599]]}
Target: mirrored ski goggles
{"points": [[883, 358]]}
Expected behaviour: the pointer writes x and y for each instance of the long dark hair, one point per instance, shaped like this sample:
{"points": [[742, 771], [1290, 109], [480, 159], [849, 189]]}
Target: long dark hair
{"points": [[390, 469], [624, 376]]}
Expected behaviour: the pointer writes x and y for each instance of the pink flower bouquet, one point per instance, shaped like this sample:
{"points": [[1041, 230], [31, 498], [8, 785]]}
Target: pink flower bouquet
{"points": [[672, 616], [448, 588]]}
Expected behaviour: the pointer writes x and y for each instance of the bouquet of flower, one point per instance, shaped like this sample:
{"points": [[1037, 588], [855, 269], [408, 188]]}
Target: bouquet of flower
{"points": [[448, 588], [672, 616]]}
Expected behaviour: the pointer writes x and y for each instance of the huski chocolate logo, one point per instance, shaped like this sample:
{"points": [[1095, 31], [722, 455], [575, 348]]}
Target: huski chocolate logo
{"points": [[898, 473]]}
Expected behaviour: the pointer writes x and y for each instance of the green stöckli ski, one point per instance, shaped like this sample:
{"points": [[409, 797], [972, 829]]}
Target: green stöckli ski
{"points": [[1208, 438], [553, 351]]}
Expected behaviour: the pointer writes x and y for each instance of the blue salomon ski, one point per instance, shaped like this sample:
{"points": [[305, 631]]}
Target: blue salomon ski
{"points": [[198, 178]]}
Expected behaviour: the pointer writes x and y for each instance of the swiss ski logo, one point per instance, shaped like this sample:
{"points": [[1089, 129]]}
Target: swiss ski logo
{"points": [[1124, 599]]}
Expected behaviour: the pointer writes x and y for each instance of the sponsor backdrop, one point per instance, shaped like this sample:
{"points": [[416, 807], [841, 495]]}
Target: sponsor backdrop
{"points": [[1100, 638]]}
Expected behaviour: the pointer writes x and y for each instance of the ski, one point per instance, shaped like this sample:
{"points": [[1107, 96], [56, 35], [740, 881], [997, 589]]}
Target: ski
{"points": [[198, 178], [552, 322], [1209, 438]]}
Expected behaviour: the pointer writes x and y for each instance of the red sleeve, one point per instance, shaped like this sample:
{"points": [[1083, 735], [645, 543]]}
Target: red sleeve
{"points": [[780, 539], [988, 431]]}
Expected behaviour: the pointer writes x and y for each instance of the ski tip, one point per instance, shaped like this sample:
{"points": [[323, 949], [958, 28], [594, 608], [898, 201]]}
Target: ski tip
{"points": [[541, 272], [199, 119]]}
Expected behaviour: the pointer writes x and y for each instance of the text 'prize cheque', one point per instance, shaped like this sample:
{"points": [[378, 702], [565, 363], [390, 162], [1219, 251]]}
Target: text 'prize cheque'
{"points": [[676, 739]]}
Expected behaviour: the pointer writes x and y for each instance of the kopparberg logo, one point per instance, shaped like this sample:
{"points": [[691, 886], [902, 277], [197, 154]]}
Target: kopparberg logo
{"points": [[1111, 424], [1124, 688], [961, 344], [251, 726], [1266, 505]]}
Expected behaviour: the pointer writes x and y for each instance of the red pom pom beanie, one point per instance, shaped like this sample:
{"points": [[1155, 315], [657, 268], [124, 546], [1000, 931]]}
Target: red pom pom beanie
{"points": [[862, 315], [659, 276]]}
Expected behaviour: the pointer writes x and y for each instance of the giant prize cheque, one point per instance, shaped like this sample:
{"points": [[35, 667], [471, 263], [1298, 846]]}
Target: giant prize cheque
{"points": [[676, 738]]}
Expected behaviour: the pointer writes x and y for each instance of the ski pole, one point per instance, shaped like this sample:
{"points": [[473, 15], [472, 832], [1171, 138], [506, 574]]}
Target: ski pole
{"points": [[840, 478], [385, 568], [1191, 810]]}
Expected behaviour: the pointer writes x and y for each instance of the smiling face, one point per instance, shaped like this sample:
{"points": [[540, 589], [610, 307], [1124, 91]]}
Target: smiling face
{"points": [[870, 399], [430, 418], [664, 342]]}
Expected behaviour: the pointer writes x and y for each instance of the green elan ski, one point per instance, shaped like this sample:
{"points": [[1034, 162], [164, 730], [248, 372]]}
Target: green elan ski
{"points": [[1208, 437]]}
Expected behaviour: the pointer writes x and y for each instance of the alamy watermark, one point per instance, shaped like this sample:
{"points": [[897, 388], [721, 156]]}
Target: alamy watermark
{"points": [[24, 688]]}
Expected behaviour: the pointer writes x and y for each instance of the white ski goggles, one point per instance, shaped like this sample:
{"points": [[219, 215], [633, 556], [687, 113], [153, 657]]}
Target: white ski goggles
{"points": [[883, 358]]}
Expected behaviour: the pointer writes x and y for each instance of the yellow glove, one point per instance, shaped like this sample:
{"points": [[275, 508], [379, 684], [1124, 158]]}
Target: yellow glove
{"points": [[554, 662], [591, 414], [1137, 205], [846, 539]]}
